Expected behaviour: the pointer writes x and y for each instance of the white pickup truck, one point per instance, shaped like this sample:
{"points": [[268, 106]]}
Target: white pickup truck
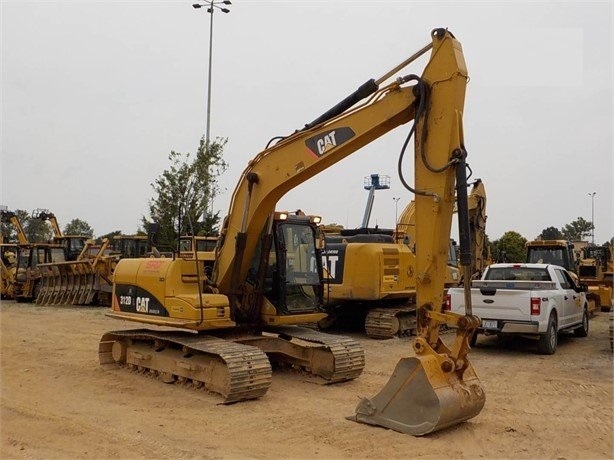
{"points": [[533, 300]]}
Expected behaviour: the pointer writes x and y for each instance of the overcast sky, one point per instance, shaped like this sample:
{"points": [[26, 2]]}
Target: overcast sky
{"points": [[95, 94]]}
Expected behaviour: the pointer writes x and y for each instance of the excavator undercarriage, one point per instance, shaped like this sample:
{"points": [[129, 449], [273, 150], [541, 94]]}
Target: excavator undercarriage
{"points": [[387, 322], [234, 365]]}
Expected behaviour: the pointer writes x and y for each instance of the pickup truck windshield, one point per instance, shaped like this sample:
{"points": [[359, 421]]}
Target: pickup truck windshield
{"points": [[517, 273]]}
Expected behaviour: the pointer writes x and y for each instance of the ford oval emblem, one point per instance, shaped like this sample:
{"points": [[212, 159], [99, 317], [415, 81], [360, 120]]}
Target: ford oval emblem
{"points": [[489, 301]]}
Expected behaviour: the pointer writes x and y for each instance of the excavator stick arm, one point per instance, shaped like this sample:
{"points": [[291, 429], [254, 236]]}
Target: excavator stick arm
{"points": [[438, 387]]}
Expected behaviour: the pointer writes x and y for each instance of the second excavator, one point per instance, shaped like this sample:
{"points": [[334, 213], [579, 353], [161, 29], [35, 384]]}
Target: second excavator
{"points": [[267, 277], [371, 278]]}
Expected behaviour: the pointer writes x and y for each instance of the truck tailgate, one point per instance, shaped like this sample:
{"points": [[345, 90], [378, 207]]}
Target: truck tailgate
{"points": [[493, 303], [509, 304]]}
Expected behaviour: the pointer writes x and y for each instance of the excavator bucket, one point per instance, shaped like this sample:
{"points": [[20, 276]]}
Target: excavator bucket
{"points": [[421, 398]]}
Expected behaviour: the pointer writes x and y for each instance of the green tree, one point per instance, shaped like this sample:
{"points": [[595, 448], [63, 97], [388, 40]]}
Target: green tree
{"points": [[183, 192], [577, 229], [551, 233], [510, 247], [78, 227]]}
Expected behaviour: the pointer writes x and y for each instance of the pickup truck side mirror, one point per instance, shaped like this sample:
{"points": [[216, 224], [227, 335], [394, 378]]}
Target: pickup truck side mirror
{"points": [[581, 287]]}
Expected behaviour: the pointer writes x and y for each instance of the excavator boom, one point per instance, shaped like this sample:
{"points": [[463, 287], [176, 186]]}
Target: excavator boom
{"points": [[282, 167]]}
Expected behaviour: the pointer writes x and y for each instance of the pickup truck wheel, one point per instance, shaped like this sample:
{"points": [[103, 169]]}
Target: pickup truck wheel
{"points": [[474, 339], [548, 341], [582, 331]]}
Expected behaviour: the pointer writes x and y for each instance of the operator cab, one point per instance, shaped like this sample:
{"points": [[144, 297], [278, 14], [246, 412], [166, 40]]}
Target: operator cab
{"points": [[555, 254], [30, 256], [73, 245], [292, 270]]}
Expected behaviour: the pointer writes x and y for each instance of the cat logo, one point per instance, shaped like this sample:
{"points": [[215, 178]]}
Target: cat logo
{"points": [[328, 140], [326, 143], [142, 304]]}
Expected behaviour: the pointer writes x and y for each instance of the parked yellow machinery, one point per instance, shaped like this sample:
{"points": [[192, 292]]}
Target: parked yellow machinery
{"points": [[84, 281], [88, 280], [371, 275], [405, 228], [131, 246], [8, 268], [266, 276], [562, 253], [73, 244], [22, 281], [596, 268], [30, 257], [201, 249]]}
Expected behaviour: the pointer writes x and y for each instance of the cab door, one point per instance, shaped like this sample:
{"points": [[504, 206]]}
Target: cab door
{"points": [[572, 301]]}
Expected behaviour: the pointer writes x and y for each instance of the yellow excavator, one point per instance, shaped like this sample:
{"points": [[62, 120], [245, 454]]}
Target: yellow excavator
{"points": [[267, 277], [476, 205], [371, 279]]}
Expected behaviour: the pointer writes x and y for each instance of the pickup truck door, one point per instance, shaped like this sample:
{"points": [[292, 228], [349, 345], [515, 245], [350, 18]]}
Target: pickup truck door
{"points": [[571, 306]]}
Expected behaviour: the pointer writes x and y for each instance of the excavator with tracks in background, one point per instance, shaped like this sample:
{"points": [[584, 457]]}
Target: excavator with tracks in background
{"points": [[371, 281], [267, 276], [476, 205]]}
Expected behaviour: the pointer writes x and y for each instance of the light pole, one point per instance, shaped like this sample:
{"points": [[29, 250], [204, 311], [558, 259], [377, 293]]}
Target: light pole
{"points": [[592, 195], [211, 5], [396, 209]]}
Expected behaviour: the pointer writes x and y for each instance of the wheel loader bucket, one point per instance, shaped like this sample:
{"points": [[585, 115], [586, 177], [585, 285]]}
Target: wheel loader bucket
{"points": [[421, 398]]}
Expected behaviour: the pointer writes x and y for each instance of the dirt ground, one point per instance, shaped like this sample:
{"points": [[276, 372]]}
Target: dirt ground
{"points": [[57, 402]]}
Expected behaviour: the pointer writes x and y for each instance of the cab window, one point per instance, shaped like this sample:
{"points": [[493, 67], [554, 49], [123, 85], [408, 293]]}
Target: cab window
{"points": [[564, 279]]}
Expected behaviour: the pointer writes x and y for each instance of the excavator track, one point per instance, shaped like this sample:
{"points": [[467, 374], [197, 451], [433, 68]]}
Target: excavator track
{"points": [[329, 358], [388, 322], [235, 371]]}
